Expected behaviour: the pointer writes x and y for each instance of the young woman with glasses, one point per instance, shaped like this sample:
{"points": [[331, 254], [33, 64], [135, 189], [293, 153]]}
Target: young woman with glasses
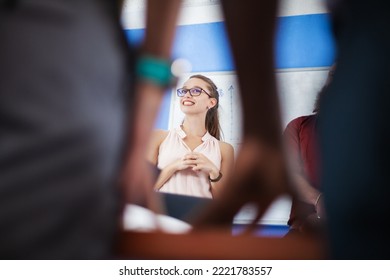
{"points": [[192, 159]]}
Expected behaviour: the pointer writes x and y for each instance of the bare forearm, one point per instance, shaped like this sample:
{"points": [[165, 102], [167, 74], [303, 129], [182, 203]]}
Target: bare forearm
{"points": [[162, 16], [148, 102], [160, 30], [304, 190], [227, 166], [164, 176], [254, 65], [216, 187]]}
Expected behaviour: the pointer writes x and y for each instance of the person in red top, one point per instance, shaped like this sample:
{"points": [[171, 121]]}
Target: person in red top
{"points": [[301, 137], [301, 140]]}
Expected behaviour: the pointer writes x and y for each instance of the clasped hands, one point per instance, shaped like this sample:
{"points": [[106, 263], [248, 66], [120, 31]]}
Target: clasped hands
{"points": [[197, 162]]}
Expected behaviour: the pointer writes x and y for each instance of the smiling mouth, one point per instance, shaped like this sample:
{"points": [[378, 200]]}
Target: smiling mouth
{"points": [[188, 103]]}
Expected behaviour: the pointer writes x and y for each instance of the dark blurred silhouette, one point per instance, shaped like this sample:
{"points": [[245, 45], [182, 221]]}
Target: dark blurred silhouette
{"points": [[261, 173], [66, 106], [354, 132]]}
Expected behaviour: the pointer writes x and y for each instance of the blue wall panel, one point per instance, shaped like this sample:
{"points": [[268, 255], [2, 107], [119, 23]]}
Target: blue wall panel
{"points": [[162, 120], [301, 41], [304, 41], [135, 36], [206, 46]]}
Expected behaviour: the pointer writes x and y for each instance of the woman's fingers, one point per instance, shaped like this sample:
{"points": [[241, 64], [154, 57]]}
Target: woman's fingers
{"points": [[197, 162], [193, 156]]}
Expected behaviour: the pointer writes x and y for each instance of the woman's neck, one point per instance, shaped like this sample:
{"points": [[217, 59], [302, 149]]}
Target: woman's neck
{"points": [[194, 126]]}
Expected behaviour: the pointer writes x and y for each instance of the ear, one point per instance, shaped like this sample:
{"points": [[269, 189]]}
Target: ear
{"points": [[212, 103]]}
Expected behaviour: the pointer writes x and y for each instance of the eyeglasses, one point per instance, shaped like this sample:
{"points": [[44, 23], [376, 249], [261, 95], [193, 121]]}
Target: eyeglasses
{"points": [[193, 91]]}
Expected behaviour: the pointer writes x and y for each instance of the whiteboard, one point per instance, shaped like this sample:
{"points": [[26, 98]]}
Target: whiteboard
{"points": [[297, 90]]}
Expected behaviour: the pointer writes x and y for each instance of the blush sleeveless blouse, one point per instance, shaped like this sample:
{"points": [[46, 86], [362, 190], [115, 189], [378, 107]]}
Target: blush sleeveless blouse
{"points": [[187, 182]]}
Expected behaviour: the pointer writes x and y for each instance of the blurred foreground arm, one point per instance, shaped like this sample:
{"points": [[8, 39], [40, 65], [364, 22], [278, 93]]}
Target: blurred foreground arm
{"points": [[261, 173], [159, 35]]}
